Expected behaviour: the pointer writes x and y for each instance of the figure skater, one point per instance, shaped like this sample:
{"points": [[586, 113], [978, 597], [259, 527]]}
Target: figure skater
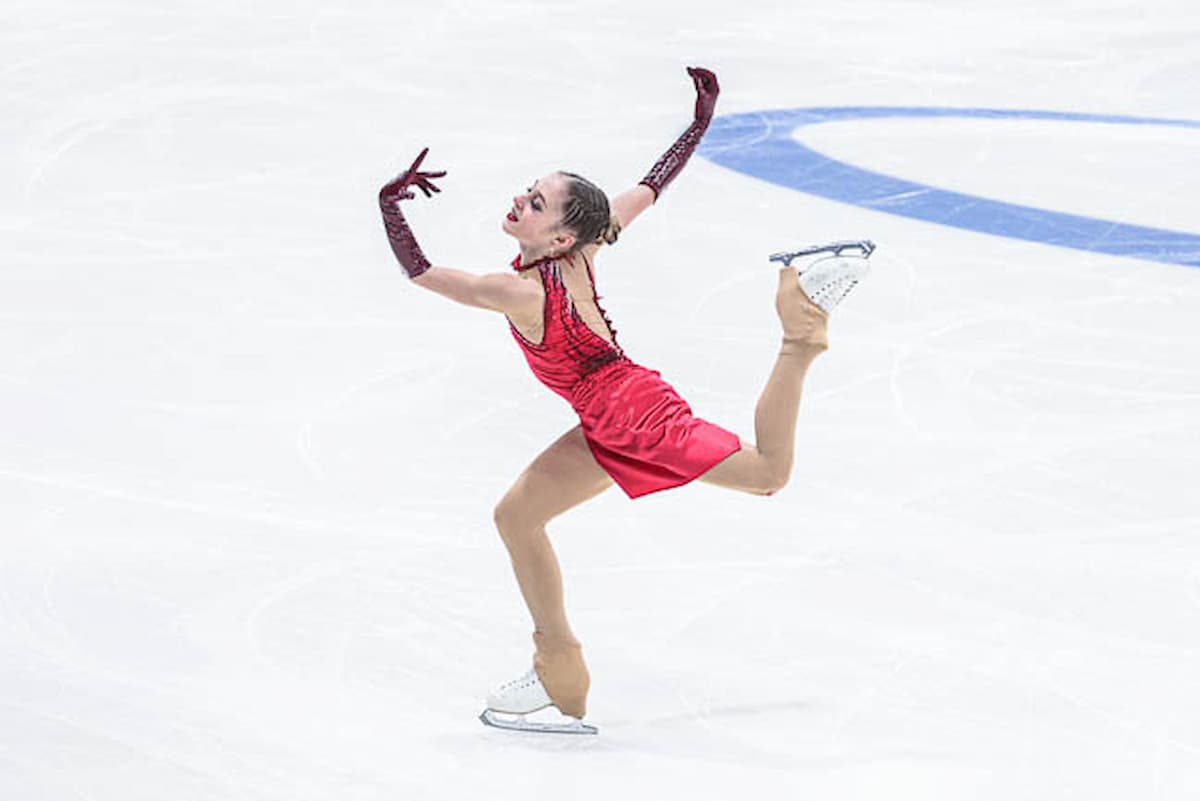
{"points": [[634, 429]]}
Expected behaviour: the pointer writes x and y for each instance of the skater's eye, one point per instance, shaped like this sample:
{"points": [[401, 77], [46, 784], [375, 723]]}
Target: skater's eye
{"points": [[538, 201]]}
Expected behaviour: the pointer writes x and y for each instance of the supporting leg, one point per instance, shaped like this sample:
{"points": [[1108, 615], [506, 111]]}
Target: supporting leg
{"points": [[561, 477]]}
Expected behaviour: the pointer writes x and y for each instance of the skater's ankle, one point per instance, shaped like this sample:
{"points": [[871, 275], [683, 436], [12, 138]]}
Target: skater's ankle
{"points": [[803, 348], [555, 638]]}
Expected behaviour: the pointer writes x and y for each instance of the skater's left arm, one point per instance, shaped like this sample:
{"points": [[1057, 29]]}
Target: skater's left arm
{"points": [[502, 292], [400, 236]]}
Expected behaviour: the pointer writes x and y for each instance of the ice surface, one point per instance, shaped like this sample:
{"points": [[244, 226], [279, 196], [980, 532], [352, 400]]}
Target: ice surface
{"points": [[247, 471]]}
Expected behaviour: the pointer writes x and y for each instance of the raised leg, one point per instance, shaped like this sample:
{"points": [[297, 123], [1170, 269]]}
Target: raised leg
{"points": [[764, 468]]}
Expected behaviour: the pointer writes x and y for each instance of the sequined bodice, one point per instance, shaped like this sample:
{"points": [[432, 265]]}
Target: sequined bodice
{"points": [[569, 349]]}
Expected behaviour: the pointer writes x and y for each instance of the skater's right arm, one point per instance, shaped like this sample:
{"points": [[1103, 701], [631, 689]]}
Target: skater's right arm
{"points": [[632, 202]]}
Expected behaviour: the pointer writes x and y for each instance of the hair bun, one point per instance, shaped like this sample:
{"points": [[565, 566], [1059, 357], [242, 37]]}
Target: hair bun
{"points": [[586, 213], [611, 231]]}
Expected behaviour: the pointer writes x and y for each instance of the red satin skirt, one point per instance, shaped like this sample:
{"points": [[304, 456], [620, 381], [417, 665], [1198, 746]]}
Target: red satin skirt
{"points": [[643, 433]]}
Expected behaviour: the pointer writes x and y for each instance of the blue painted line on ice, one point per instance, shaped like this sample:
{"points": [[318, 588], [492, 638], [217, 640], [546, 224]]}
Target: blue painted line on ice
{"points": [[761, 144]]}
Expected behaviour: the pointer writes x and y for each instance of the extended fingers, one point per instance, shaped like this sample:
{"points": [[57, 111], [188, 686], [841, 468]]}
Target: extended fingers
{"points": [[397, 189], [423, 179], [413, 169], [423, 183]]}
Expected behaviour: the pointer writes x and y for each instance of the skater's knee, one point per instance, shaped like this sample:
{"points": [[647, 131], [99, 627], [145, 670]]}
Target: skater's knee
{"points": [[761, 474], [503, 517], [512, 519], [772, 487], [775, 477]]}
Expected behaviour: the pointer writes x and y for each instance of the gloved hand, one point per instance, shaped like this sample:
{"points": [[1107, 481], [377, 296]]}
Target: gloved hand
{"points": [[400, 236], [667, 167], [707, 90]]}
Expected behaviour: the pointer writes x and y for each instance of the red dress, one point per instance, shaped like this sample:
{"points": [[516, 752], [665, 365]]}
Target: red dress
{"points": [[637, 426]]}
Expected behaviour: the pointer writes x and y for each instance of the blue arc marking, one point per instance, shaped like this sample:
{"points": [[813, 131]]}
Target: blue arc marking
{"points": [[760, 144]]}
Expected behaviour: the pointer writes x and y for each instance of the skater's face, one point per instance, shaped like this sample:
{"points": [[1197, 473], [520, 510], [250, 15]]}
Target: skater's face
{"points": [[536, 216]]}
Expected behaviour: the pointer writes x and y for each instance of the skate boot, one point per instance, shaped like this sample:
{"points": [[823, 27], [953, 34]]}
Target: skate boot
{"points": [[521, 696], [828, 272], [560, 665]]}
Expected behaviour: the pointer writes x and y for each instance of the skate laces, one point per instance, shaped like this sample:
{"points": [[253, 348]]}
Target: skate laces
{"points": [[528, 679], [827, 281], [832, 269]]}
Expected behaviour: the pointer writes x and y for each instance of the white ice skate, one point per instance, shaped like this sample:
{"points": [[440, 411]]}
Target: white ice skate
{"points": [[828, 272], [509, 703]]}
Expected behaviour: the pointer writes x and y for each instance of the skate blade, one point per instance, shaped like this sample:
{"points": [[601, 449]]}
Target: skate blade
{"points": [[490, 717], [862, 248]]}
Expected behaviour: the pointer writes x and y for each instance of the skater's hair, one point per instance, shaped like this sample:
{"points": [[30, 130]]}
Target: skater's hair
{"points": [[586, 213]]}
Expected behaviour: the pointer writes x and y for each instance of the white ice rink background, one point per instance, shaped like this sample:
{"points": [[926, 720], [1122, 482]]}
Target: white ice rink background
{"points": [[247, 470]]}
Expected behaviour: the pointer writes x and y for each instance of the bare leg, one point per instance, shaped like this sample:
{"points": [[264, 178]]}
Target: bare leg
{"points": [[764, 468], [561, 477]]}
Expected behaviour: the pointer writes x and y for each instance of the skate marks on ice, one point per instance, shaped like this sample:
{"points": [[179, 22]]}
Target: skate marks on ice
{"points": [[761, 144], [707, 715]]}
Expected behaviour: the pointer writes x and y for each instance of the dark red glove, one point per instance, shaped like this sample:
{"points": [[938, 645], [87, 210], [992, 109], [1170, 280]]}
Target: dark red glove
{"points": [[667, 167], [706, 92], [400, 236]]}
